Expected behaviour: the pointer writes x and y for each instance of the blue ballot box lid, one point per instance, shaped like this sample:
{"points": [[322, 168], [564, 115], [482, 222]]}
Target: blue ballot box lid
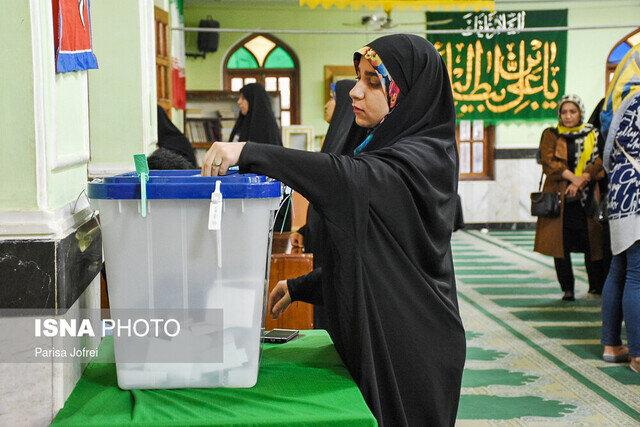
{"points": [[185, 184]]}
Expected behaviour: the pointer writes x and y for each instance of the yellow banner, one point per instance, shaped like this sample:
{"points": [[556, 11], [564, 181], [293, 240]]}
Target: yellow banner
{"points": [[475, 5]]}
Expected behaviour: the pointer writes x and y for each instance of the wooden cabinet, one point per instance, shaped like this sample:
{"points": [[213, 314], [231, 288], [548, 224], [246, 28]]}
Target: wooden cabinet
{"points": [[299, 315], [287, 263]]}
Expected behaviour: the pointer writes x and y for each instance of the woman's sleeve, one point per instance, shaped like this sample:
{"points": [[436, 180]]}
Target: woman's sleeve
{"points": [[307, 288], [328, 181], [551, 167], [595, 169]]}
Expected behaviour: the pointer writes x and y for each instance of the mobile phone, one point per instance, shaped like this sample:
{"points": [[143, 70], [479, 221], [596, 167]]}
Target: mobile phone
{"points": [[279, 336]]}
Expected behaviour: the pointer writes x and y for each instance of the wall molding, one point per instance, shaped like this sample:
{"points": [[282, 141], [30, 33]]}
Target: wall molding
{"points": [[148, 72], [500, 225], [514, 153], [44, 95], [102, 170], [70, 160], [44, 224], [66, 161], [40, 129]]}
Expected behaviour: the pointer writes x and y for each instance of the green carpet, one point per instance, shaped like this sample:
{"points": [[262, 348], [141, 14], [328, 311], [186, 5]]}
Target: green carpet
{"points": [[532, 358], [489, 272], [517, 290], [543, 302], [477, 353], [504, 280], [558, 316], [475, 407], [586, 351]]}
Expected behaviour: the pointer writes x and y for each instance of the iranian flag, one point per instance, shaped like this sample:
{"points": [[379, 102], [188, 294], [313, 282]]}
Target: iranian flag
{"points": [[178, 55]]}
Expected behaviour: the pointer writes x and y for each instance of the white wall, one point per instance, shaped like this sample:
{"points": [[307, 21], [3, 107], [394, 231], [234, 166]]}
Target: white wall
{"points": [[122, 96]]}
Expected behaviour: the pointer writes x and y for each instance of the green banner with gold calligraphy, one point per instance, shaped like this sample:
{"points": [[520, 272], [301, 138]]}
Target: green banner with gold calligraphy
{"points": [[509, 75]]}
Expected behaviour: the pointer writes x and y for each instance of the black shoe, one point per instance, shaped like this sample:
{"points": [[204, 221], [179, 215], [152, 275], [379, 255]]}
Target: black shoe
{"points": [[568, 296], [594, 291]]}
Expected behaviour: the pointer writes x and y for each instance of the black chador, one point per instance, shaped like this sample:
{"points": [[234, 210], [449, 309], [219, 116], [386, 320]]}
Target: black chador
{"points": [[387, 280], [341, 122], [259, 124], [170, 138]]}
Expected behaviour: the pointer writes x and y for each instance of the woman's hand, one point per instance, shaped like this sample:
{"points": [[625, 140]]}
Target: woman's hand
{"points": [[220, 157], [581, 181], [572, 190], [279, 299], [586, 178]]}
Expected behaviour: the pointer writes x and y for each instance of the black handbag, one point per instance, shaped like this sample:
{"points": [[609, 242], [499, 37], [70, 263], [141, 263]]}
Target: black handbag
{"points": [[545, 204], [602, 213], [596, 207]]}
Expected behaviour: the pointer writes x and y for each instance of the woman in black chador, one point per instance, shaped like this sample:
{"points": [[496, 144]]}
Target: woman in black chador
{"points": [[171, 139], [387, 212], [256, 122]]}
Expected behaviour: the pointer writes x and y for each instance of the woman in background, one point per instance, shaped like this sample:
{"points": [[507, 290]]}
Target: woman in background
{"points": [[621, 296], [175, 143], [570, 161], [256, 121]]}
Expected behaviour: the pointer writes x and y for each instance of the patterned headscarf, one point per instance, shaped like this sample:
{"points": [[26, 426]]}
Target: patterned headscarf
{"points": [[391, 89], [584, 135], [570, 97], [624, 84]]}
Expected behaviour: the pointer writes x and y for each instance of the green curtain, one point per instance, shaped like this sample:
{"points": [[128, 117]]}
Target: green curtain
{"points": [[504, 76]]}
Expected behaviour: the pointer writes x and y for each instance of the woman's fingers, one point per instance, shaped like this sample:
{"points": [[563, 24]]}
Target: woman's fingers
{"points": [[220, 157], [274, 296], [279, 299], [572, 190], [208, 166], [279, 308]]}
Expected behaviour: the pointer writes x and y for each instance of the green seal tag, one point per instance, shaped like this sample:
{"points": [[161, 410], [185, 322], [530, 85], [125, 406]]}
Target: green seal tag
{"points": [[142, 170]]}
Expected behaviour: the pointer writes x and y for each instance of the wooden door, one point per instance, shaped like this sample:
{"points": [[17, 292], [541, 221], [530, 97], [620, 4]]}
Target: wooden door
{"points": [[163, 60]]}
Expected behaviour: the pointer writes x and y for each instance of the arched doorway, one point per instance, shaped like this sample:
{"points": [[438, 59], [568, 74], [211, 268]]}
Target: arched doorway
{"points": [[267, 60], [618, 52]]}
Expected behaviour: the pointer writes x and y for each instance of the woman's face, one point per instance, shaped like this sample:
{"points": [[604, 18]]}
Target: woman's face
{"points": [[570, 114], [329, 108], [244, 105], [368, 98]]}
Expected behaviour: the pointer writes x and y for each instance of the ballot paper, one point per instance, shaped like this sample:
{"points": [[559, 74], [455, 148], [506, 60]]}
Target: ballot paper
{"points": [[192, 374], [130, 378], [237, 304]]}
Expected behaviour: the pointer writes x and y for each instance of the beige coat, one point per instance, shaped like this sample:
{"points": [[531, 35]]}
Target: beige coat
{"points": [[549, 236]]}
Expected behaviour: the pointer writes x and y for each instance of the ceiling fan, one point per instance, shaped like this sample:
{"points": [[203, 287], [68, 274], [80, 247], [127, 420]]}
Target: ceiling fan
{"points": [[383, 21]]}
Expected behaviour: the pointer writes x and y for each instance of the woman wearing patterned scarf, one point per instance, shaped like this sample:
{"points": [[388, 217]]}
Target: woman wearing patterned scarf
{"points": [[571, 163], [621, 295], [386, 210]]}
